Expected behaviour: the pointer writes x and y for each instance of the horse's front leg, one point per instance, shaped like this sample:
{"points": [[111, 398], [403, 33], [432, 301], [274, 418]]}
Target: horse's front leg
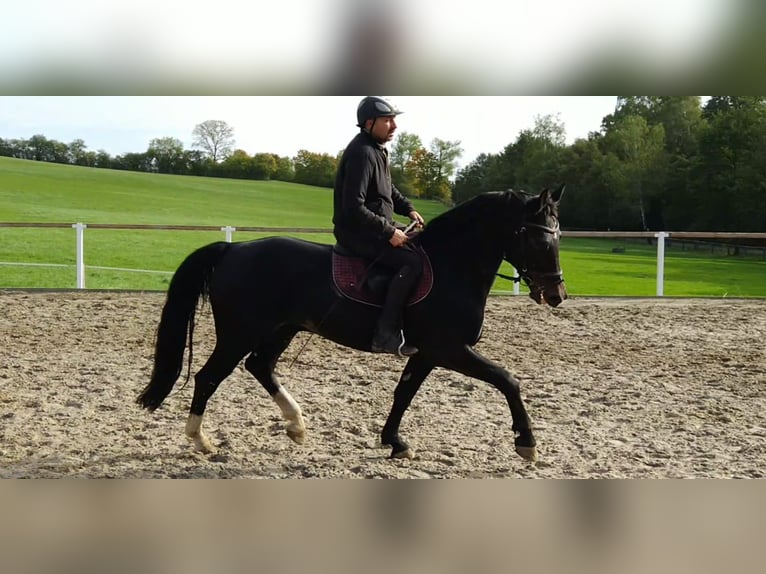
{"points": [[468, 362], [413, 376]]}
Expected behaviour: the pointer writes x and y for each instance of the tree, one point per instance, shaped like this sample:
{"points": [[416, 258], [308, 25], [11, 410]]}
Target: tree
{"points": [[237, 165], [103, 159], [680, 116], [264, 166], [730, 172], [550, 130], [284, 169], [590, 201], [537, 154], [214, 137], [403, 150], [166, 155], [474, 178], [533, 161], [78, 152], [447, 153], [40, 148], [315, 169], [6, 148], [627, 106], [638, 147], [132, 162], [425, 169], [719, 104], [682, 120], [196, 163]]}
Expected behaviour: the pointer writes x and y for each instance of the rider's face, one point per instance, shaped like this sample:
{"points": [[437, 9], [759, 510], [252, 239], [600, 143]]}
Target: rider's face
{"points": [[384, 129]]}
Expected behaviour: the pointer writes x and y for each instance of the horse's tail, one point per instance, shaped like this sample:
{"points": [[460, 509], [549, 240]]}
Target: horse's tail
{"points": [[190, 283]]}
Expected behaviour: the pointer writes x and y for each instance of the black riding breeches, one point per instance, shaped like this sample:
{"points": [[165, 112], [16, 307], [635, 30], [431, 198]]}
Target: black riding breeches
{"points": [[407, 265], [404, 259]]}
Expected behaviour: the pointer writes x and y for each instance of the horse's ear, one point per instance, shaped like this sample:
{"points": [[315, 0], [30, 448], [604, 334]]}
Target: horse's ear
{"points": [[556, 197]]}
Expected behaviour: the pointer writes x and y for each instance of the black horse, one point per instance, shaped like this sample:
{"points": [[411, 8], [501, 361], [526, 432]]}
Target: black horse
{"points": [[262, 293]]}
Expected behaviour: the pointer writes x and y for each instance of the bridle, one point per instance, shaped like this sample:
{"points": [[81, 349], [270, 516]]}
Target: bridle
{"points": [[524, 274]]}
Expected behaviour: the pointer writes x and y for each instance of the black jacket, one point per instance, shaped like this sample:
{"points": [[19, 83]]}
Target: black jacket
{"points": [[365, 197]]}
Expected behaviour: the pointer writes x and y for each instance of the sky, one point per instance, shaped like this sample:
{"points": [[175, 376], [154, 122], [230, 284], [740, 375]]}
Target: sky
{"points": [[307, 47], [287, 124], [484, 46]]}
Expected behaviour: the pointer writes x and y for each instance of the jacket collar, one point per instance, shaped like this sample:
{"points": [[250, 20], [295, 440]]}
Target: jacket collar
{"points": [[372, 141]]}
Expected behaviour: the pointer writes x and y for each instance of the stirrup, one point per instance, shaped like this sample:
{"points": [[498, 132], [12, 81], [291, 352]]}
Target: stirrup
{"points": [[394, 346]]}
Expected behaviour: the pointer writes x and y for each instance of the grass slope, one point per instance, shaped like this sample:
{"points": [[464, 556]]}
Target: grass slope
{"points": [[49, 193]]}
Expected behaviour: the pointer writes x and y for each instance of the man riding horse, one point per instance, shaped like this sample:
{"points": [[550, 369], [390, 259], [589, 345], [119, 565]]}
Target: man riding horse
{"points": [[365, 202]]}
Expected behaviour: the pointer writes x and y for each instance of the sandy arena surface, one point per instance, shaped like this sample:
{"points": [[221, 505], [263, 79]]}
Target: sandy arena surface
{"points": [[615, 389]]}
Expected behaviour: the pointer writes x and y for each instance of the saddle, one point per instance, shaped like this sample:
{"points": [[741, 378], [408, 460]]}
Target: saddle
{"points": [[359, 280]]}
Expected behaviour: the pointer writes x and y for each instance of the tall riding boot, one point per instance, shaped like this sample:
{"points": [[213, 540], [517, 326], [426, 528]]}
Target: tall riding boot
{"points": [[389, 337]]}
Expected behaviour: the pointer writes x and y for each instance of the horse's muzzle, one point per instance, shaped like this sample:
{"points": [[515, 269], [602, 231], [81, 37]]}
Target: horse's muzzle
{"points": [[557, 296], [553, 294]]}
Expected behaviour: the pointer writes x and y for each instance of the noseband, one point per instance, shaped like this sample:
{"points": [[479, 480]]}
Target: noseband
{"points": [[557, 277]]}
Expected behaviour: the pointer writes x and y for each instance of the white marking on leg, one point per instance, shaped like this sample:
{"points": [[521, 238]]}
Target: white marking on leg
{"points": [[194, 431], [296, 429]]}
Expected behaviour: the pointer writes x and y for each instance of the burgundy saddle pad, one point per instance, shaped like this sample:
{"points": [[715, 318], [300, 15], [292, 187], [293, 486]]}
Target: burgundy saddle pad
{"points": [[352, 278]]}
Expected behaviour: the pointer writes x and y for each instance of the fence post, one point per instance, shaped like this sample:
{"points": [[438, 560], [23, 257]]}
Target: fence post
{"points": [[80, 256], [661, 263], [229, 231]]}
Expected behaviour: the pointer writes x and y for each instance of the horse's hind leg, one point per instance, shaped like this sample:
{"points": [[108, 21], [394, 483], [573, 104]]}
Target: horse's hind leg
{"points": [[219, 366], [261, 365], [413, 376]]}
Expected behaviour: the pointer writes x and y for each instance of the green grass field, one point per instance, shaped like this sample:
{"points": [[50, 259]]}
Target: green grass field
{"points": [[48, 193]]}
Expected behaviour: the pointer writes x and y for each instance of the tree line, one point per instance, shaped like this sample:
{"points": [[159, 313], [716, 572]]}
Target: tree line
{"points": [[656, 163], [416, 171]]}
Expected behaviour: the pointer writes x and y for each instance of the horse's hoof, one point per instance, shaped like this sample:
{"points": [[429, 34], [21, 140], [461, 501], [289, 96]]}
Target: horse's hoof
{"points": [[202, 444], [205, 447], [406, 454], [527, 453], [298, 437]]}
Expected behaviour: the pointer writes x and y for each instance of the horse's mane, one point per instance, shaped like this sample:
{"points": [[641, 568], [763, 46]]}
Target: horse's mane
{"points": [[480, 209]]}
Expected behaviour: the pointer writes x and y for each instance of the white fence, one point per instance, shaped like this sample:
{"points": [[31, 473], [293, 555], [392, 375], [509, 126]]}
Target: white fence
{"points": [[229, 232]]}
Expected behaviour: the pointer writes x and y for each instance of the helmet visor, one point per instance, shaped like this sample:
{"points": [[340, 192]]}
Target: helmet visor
{"points": [[383, 109]]}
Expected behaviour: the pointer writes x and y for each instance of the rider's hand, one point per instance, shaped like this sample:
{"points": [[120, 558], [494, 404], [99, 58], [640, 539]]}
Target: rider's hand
{"points": [[399, 238], [417, 218]]}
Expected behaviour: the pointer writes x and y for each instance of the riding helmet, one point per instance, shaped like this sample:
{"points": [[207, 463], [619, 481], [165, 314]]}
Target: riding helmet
{"points": [[372, 107]]}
